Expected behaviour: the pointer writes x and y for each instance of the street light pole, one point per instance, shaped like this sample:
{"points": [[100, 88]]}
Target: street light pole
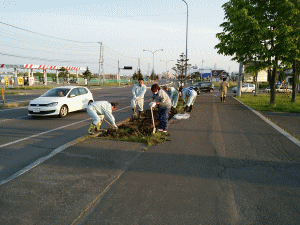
{"points": [[167, 65], [186, 46], [99, 62], [153, 56]]}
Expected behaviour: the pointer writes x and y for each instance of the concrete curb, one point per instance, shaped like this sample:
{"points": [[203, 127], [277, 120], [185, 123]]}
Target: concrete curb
{"points": [[268, 121]]}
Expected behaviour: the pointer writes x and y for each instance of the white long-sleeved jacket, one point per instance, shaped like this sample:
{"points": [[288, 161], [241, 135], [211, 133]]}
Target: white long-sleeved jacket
{"points": [[139, 91], [172, 91], [104, 108]]}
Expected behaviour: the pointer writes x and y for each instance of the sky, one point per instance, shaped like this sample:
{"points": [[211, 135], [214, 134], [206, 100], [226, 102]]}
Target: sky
{"points": [[66, 33]]}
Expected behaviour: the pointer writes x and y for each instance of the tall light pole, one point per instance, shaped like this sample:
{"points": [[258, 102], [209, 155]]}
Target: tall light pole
{"points": [[167, 64], [186, 46], [153, 56]]}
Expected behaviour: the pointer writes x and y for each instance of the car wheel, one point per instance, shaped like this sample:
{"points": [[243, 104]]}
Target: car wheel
{"points": [[211, 90], [63, 111], [253, 91]]}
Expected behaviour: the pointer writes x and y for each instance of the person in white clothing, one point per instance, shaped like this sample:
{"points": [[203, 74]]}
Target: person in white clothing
{"points": [[137, 102], [173, 95], [191, 94], [97, 110]]}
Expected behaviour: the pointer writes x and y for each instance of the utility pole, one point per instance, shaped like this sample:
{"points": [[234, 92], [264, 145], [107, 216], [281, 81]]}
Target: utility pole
{"points": [[119, 73], [239, 93], [186, 46], [102, 65], [100, 62]]}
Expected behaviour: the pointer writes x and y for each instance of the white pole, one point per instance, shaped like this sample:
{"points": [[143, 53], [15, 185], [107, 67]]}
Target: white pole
{"points": [[119, 72], [57, 81]]}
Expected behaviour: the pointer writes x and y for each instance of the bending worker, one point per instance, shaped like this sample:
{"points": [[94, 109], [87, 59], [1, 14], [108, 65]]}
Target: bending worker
{"points": [[191, 94], [137, 103], [97, 110], [173, 95], [223, 88], [163, 101]]}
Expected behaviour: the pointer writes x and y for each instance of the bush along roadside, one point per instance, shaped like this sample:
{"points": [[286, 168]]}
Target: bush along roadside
{"points": [[140, 130]]}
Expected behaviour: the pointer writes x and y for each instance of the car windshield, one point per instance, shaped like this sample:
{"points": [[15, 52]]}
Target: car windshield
{"points": [[56, 92]]}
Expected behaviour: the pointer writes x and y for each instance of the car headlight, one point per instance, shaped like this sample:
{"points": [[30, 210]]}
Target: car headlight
{"points": [[52, 104]]}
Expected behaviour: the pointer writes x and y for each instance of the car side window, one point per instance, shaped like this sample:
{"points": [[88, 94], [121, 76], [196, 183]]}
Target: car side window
{"points": [[74, 92], [82, 91]]}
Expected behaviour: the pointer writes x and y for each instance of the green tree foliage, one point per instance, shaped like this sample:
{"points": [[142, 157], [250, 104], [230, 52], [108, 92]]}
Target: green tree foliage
{"points": [[87, 73], [153, 76], [63, 72], [137, 75], [256, 30]]}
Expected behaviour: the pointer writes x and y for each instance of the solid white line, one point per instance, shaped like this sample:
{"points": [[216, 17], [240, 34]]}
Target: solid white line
{"points": [[49, 131], [39, 161], [280, 130]]}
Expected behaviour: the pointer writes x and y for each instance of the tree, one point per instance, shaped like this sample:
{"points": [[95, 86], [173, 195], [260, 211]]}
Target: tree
{"points": [[253, 32], [153, 76], [181, 66], [63, 72], [87, 73], [137, 75]]}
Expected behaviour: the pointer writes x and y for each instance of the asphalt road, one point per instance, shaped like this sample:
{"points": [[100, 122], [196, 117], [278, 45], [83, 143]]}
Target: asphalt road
{"points": [[23, 139]]}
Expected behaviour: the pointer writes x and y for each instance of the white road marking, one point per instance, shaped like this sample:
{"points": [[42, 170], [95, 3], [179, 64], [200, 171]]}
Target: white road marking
{"points": [[287, 135], [55, 129], [38, 162]]}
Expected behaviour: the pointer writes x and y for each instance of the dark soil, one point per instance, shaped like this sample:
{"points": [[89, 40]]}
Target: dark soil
{"points": [[136, 128]]}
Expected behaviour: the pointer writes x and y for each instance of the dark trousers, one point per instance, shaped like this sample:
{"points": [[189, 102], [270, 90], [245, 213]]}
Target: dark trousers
{"points": [[163, 115]]}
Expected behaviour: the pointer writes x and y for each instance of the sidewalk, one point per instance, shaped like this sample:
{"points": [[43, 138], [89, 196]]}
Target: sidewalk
{"points": [[224, 165]]}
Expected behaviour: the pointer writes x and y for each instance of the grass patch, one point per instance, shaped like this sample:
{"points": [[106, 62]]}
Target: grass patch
{"points": [[15, 105], [261, 102], [31, 87]]}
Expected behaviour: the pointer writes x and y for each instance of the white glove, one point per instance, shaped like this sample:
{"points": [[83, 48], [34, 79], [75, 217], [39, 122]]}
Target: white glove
{"points": [[152, 104], [115, 127]]}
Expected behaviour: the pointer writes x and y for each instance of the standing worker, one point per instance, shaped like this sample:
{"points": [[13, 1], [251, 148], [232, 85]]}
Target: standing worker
{"points": [[161, 98], [223, 88], [97, 110], [138, 92], [191, 94], [173, 95], [180, 86]]}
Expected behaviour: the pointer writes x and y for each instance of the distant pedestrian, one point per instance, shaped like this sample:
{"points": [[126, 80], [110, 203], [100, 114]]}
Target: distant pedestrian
{"points": [[137, 102], [97, 110], [180, 87], [173, 94], [161, 98], [223, 88], [191, 94]]}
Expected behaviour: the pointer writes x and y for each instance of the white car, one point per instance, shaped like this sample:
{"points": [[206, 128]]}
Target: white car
{"points": [[246, 87], [60, 101]]}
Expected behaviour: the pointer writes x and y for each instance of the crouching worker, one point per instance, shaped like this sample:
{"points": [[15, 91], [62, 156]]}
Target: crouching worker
{"points": [[173, 95], [161, 98], [191, 94], [137, 103], [97, 110]]}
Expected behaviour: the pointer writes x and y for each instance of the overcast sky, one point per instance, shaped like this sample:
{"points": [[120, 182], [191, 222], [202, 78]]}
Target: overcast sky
{"points": [[124, 27]]}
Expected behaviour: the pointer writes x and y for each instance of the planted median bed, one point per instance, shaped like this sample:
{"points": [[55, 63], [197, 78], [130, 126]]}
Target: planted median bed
{"points": [[140, 130]]}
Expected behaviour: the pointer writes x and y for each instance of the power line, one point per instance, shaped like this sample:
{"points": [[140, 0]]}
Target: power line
{"points": [[45, 34]]}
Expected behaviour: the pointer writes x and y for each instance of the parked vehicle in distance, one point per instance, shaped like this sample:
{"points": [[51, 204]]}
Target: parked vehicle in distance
{"points": [[279, 90], [246, 87], [203, 86], [60, 101]]}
